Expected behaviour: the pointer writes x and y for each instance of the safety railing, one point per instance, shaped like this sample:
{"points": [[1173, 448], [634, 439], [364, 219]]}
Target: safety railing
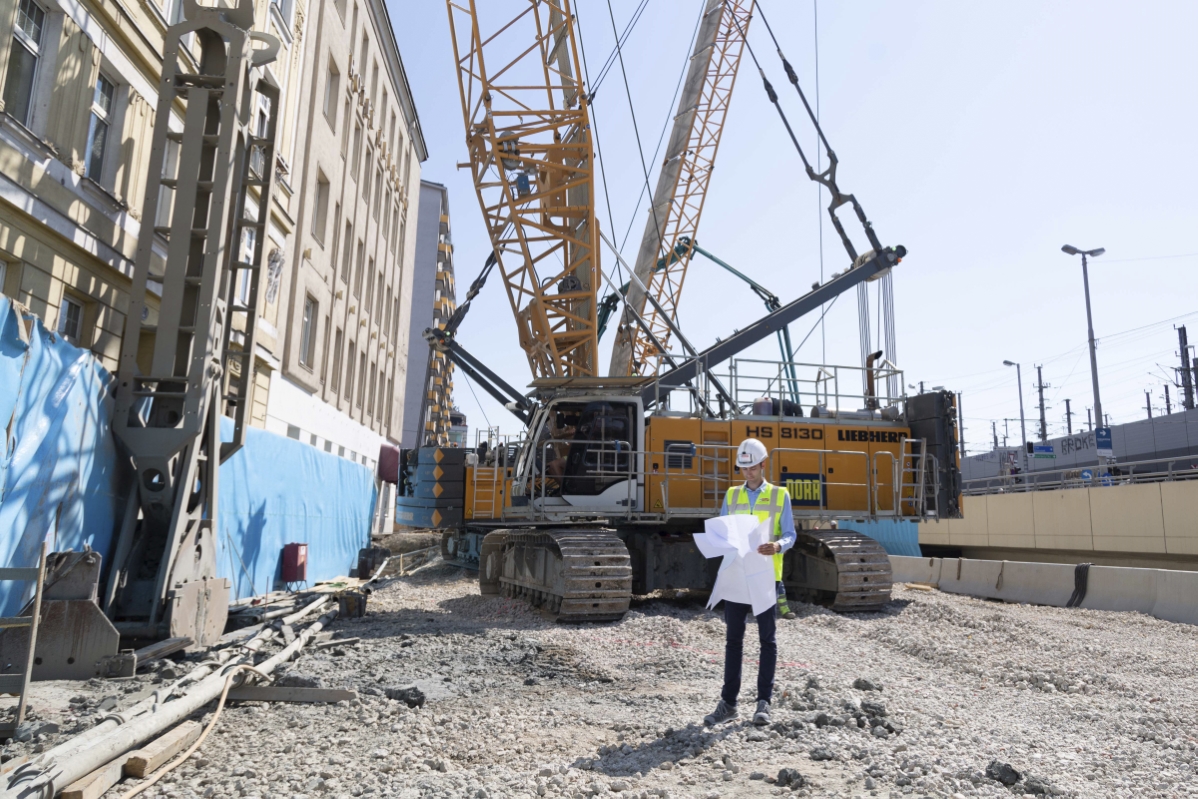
{"points": [[827, 387], [705, 478], [1157, 470]]}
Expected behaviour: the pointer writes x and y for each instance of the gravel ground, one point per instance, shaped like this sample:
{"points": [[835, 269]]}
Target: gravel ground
{"points": [[1080, 703]]}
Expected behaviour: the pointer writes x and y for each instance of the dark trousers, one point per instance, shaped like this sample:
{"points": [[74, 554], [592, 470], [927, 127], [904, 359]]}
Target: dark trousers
{"points": [[735, 615]]}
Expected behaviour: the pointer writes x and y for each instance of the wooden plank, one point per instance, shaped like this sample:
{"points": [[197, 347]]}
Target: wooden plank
{"points": [[272, 693], [336, 642], [94, 785], [146, 760], [162, 649], [15, 621]]}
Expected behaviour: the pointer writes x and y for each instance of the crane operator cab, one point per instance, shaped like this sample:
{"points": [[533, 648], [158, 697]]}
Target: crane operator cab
{"points": [[584, 456]]}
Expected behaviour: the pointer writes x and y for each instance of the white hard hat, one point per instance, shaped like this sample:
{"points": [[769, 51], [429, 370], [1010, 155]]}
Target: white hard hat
{"points": [[750, 453]]}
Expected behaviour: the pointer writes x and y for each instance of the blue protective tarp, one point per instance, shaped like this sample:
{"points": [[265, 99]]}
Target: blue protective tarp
{"points": [[276, 491], [59, 469], [62, 477], [896, 537]]}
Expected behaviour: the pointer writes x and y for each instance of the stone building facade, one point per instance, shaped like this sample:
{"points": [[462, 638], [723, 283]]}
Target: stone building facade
{"points": [[348, 294], [78, 95]]}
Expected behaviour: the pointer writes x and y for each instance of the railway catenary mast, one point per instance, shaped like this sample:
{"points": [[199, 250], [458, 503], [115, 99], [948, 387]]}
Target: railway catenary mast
{"points": [[682, 185]]}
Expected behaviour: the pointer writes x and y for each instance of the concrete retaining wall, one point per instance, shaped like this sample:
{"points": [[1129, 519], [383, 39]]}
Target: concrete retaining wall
{"points": [[1164, 593], [1145, 518]]}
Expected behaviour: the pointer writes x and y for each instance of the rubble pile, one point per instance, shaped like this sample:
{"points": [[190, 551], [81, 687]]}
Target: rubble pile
{"points": [[940, 695]]}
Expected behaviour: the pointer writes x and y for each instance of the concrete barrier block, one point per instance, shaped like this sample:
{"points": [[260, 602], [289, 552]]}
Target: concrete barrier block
{"points": [[1010, 521], [1179, 509], [1118, 588], [1177, 596], [1162, 593], [1062, 520], [1010, 581], [915, 570]]}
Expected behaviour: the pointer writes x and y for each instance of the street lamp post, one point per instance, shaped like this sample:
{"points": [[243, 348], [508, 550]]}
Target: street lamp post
{"points": [[1022, 422], [1069, 249]]}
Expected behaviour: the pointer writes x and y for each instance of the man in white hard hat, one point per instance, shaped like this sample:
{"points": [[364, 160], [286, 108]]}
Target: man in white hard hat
{"points": [[768, 503]]}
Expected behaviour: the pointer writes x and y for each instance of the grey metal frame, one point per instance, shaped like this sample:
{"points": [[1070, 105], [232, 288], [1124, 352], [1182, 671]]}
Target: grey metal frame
{"points": [[168, 420]]}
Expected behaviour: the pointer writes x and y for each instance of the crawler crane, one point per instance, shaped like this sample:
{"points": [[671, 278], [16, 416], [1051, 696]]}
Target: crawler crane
{"points": [[600, 497]]}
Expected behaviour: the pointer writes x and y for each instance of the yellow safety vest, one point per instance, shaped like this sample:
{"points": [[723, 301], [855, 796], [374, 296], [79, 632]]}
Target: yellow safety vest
{"points": [[769, 506]]}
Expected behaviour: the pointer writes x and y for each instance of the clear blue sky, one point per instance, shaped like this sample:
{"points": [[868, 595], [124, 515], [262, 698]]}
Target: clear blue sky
{"points": [[981, 136]]}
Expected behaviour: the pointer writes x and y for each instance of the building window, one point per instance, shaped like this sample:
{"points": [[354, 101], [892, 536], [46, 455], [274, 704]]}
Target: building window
{"points": [[349, 375], [308, 332], [359, 270], [390, 399], [369, 289], [378, 308], [387, 323], [365, 49], [166, 194], [332, 90], [345, 127], [366, 173], [284, 7], [328, 446], [312, 439], [394, 228], [361, 378], [374, 80], [387, 217], [336, 230], [378, 193], [70, 320], [337, 361], [392, 137], [321, 216], [370, 398], [395, 319], [249, 238], [348, 262], [357, 159], [293, 432], [324, 360], [22, 60], [97, 132], [382, 394]]}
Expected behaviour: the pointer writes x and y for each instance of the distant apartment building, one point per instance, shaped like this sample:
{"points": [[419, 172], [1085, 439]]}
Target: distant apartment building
{"points": [[344, 335], [428, 397]]}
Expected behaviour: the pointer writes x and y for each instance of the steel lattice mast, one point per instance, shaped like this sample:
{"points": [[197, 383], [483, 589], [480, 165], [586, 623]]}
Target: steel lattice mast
{"points": [[682, 185], [528, 134]]}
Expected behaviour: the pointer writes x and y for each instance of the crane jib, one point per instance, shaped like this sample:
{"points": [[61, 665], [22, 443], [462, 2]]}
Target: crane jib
{"points": [[771, 323]]}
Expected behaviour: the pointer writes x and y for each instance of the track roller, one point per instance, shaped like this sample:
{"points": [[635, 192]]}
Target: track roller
{"points": [[573, 575]]}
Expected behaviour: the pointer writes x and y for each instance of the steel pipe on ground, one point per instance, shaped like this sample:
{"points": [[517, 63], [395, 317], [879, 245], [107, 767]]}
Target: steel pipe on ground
{"points": [[51, 772]]}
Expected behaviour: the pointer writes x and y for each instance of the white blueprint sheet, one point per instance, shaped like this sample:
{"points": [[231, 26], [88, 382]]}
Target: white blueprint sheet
{"points": [[744, 576]]}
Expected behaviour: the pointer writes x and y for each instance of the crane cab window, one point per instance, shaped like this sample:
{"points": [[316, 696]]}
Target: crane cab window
{"points": [[586, 447]]}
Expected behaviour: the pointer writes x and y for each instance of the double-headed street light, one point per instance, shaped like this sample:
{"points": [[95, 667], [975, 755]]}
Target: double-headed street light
{"points": [[1022, 423], [1069, 249]]}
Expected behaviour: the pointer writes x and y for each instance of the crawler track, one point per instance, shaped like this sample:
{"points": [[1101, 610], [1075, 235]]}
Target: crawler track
{"points": [[574, 575], [842, 569]]}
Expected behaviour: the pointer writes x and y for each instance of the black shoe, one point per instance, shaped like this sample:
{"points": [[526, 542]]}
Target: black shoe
{"points": [[723, 712], [762, 716]]}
